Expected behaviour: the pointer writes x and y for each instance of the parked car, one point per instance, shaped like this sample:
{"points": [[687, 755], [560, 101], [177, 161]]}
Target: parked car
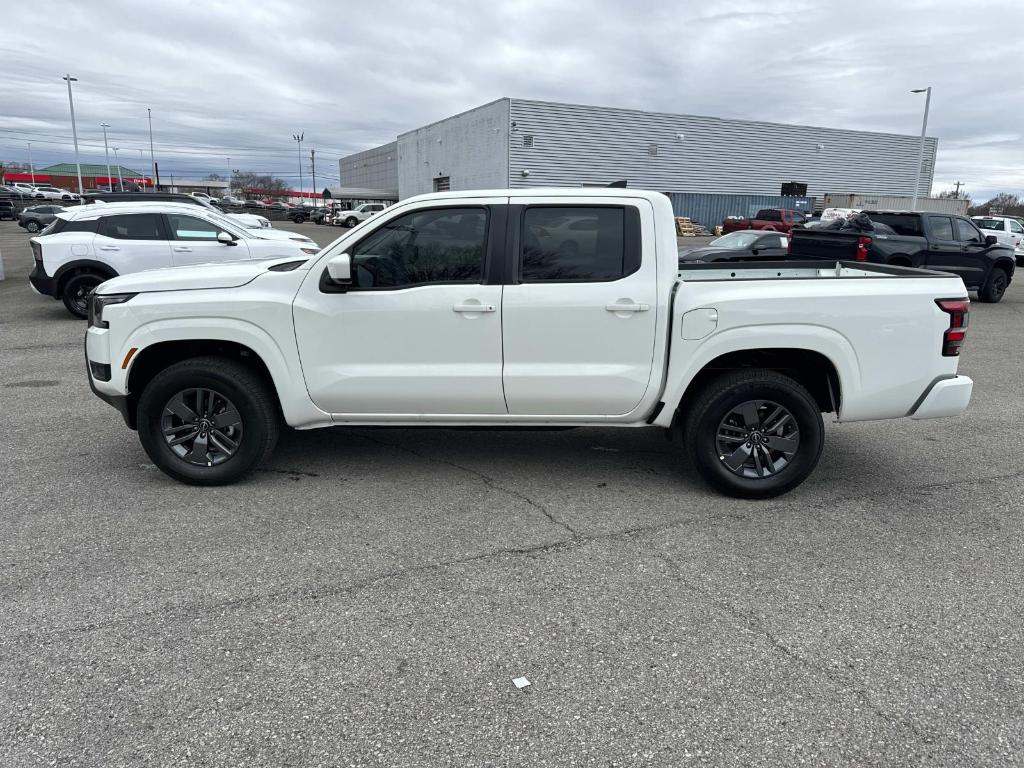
{"points": [[774, 219], [92, 243], [28, 191], [255, 204], [248, 220], [585, 318], [751, 245], [38, 217], [7, 210], [303, 213], [359, 214], [230, 201], [55, 193], [938, 241], [1008, 229]]}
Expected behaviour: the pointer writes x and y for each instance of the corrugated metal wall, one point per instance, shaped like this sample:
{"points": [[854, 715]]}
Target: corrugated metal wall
{"points": [[568, 145], [375, 168], [709, 210]]}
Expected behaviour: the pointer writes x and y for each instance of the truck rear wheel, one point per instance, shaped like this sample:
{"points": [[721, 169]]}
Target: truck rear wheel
{"points": [[208, 421], [754, 433]]}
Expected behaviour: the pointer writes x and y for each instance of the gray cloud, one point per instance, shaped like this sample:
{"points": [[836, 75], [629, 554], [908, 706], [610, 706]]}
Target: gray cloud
{"points": [[230, 79]]}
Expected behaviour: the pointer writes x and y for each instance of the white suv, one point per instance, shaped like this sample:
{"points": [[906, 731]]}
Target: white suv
{"points": [[56, 193], [85, 246], [362, 213]]}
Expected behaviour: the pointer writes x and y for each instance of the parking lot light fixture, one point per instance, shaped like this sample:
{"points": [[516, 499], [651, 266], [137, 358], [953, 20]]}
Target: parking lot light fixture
{"points": [[74, 130], [120, 181], [31, 167], [920, 150], [299, 137], [106, 152]]}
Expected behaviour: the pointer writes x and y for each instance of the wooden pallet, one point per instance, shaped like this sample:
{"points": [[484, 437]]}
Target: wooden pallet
{"points": [[684, 227]]}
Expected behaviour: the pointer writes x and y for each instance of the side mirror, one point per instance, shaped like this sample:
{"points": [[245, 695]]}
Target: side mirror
{"points": [[340, 268], [754, 251], [991, 239], [225, 238]]}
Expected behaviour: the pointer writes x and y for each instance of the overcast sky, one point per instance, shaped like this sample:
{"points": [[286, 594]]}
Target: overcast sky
{"points": [[237, 79]]}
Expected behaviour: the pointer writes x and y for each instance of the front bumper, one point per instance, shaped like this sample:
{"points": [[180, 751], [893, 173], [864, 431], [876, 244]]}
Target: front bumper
{"points": [[946, 397], [41, 282], [97, 353]]}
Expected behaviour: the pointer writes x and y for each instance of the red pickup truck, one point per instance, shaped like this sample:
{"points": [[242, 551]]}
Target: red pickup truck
{"points": [[774, 219]]}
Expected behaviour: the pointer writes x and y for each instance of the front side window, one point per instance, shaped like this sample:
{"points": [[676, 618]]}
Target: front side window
{"points": [[436, 245], [967, 232], [132, 226], [566, 244], [184, 227], [941, 228], [1015, 227]]}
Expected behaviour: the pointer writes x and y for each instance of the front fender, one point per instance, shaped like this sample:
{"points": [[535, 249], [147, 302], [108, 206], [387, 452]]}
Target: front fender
{"points": [[282, 363], [688, 358]]}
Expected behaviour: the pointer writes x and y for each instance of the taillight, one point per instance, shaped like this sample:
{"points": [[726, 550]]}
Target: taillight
{"points": [[959, 311], [862, 248]]}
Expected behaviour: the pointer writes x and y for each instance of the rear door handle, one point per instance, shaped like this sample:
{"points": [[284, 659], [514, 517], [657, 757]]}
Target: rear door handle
{"points": [[475, 308], [110, 248], [627, 307]]}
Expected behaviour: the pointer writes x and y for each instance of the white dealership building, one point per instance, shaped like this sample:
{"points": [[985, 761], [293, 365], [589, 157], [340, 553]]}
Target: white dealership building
{"points": [[524, 143]]}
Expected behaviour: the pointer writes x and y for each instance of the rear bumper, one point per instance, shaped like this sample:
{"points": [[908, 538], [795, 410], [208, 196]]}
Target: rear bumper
{"points": [[947, 397], [41, 282]]}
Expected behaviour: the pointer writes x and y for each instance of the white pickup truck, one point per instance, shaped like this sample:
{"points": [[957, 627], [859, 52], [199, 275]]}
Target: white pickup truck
{"points": [[358, 214], [525, 308]]}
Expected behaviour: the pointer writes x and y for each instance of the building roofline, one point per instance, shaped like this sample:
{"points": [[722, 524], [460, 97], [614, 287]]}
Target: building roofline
{"points": [[457, 114]]}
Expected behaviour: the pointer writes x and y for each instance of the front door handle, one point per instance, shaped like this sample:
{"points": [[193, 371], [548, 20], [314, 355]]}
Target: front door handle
{"points": [[470, 307], [182, 249], [109, 248], [627, 307]]}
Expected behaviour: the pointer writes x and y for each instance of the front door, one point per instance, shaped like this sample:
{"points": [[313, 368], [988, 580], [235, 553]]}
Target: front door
{"points": [[419, 331], [194, 241], [944, 248], [974, 253], [579, 319]]}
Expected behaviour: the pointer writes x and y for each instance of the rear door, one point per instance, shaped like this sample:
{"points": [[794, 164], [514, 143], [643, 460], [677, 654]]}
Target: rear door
{"points": [[578, 324], [194, 241], [132, 242]]}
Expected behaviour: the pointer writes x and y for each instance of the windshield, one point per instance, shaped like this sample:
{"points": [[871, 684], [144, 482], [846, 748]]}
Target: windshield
{"points": [[736, 240], [989, 224]]}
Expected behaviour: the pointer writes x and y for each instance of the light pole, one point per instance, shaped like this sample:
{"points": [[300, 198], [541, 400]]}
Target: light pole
{"points": [[299, 137], [120, 181], [920, 150], [312, 162], [106, 152], [152, 157], [74, 131], [31, 167]]}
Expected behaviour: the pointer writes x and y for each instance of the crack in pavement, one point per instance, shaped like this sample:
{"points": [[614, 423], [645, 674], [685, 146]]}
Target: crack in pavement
{"points": [[487, 480], [757, 627]]}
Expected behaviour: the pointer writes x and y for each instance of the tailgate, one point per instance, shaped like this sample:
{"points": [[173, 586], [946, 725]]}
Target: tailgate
{"points": [[823, 244]]}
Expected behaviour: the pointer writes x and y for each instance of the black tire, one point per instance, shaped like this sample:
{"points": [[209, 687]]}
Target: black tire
{"points": [[351, 221], [32, 226], [75, 292], [995, 287], [721, 398], [299, 219], [252, 398]]}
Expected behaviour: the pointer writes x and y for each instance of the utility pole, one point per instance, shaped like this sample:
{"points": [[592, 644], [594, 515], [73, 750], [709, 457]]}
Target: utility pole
{"points": [[74, 131], [312, 162], [31, 167], [956, 194], [120, 181], [229, 176], [106, 152], [920, 151], [299, 137], [152, 157]]}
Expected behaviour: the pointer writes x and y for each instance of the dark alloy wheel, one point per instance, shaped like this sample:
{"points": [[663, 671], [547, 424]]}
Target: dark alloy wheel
{"points": [[753, 433], [76, 290], [201, 426], [757, 438], [994, 287], [208, 420], [351, 221], [32, 226]]}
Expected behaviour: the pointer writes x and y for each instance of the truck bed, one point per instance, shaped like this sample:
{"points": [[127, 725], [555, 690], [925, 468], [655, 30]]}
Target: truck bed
{"points": [[799, 270]]}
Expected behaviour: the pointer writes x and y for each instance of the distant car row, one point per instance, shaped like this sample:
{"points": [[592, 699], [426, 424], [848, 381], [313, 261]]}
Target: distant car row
{"points": [[23, 191]]}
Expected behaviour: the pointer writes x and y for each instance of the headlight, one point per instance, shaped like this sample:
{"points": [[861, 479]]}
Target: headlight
{"points": [[310, 250], [97, 302], [265, 223]]}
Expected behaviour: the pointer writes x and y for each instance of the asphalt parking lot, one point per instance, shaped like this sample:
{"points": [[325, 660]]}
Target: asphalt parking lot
{"points": [[369, 596]]}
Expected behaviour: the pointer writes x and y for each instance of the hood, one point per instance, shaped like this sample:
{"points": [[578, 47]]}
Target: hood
{"points": [[249, 220], [230, 275], [282, 234], [698, 254]]}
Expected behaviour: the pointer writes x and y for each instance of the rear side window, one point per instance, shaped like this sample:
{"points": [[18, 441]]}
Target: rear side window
{"points": [[63, 225], [579, 244], [941, 227], [132, 226], [901, 224]]}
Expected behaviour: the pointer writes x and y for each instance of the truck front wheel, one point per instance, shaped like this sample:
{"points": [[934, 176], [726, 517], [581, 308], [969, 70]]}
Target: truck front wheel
{"points": [[754, 433], [208, 420], [994, 287]]}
